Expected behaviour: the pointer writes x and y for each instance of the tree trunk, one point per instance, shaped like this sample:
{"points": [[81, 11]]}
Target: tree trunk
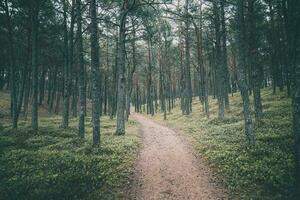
{"points": [[130, 74], [149, 80], [95, 73], [188, 84], [121, 71], [75, 97], [13, 71], [81, 79], [42, 86], [219, 65], [65, 122], [53, 89], [252, 58], [240, 37], [115, 79], [293, 40], [224, 55], [34, 110]]}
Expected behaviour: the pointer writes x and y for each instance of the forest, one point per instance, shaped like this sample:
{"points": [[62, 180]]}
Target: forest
{"points": [[150, 99]]}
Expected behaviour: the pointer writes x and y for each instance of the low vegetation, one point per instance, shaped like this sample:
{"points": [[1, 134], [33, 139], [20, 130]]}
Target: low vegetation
{"points": [[262, 172], [55, 164]]}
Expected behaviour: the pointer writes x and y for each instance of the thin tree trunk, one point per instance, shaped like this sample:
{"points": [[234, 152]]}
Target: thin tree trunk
{"points": [[95, 74], [34, 110], [293, 40], [115, 81], [13, 71], [65, 122], [253, 57], [75, 97], [224, 56], [240, 36], [26, 74], [81, 80], [42, 86], [121, 70], [188, 84], [218, 58], [130, 74]]}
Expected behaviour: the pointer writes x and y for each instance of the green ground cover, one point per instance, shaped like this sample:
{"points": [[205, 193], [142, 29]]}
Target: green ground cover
{"points": [[56, 164], [263, 172]]}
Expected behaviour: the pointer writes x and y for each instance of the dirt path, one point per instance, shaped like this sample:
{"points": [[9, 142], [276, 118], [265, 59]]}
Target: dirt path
{"points": [[167, 169]]}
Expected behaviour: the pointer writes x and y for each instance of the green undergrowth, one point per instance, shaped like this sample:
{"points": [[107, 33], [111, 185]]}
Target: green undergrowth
{"points": [[262, 172], [56, 164]]}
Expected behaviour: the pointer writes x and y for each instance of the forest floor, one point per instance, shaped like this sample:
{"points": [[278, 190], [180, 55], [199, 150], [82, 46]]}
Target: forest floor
{"points": [[196, 157], [55, 163], [263, 172], [166, 167]]}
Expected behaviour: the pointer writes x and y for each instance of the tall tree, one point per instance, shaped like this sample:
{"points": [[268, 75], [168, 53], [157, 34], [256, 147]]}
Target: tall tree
{"points": [[293, 40], [66, 69], [35, 23], [72, 88], [220, 81], [225, 73], [13, 74], [241, 47], [131, 71], [253, 58], [121, 100], [81, 75], [187, 69], [95, 73]]}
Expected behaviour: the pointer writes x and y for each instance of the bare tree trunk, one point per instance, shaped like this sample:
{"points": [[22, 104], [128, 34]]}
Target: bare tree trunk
{"points": [[121, 70], [201, 68], [75, 97], [130, 74], [115, 82], [219, 68], [42, 85], [53, 89], [188, 84], [81, 81], [253, 57], [149, 80], [65, 123], [293, 41], [240, 36], [95, 74], [224, 55], [13, 71], [34, 111]]}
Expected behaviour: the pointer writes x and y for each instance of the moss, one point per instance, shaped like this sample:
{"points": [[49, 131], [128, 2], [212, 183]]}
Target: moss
{"points": [[262, 172]]}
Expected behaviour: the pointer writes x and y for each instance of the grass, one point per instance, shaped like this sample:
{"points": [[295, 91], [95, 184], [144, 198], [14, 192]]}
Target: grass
{"points": [[262, 172], [56, 164]]}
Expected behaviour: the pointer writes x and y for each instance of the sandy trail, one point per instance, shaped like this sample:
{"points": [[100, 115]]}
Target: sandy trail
{"points": [[167, 169]]}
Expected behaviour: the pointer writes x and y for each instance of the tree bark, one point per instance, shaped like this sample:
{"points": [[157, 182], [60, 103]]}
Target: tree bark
{"points": [[13, 71], [95, 73], [241, 46], [252, 58], [293, 40], [219, 65], [224, 55], [81, 79], [130, 74], [121, 70], [34, 110], [65, 123], [188, 84]]}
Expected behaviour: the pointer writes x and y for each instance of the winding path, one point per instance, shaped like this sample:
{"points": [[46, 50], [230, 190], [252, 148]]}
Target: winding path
{"points": [[167, 169]]}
